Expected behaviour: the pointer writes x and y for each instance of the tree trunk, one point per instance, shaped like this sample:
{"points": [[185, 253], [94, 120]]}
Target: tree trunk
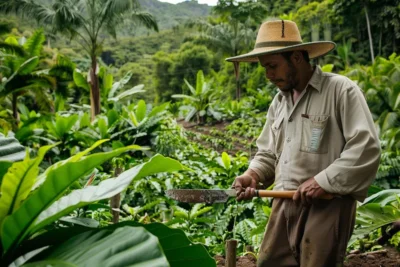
{"points": [[15, 111], [315, 32], [115, 201], [371, 46], [237, 73], [327, 32], [94, 89]]}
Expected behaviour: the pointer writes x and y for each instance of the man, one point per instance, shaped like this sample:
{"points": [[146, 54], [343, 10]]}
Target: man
{"points": [[319, 139]]}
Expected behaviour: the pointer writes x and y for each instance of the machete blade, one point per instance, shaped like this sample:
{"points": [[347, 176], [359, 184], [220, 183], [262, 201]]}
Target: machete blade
{"points": [[201, 195]]}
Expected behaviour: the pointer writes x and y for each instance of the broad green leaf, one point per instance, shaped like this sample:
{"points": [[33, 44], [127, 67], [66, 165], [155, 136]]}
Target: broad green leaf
{"points": [[87, 222], [41, 178], [135, 90], [226, 160], [80, 80], [11, 40], [179, 251], [141, 110], [117, 85], [107, 82], [103, 127], [176, 246], [133, 118], [383, 197], [106, 189], [371, 217], [58, 180], [199, 82], [18, 182], [191, 88], [122, 246], [158, 109], [186, 97]]}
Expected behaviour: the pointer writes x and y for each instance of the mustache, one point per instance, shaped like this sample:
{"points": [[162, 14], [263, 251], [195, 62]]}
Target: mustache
{"points": [[276, 81]]}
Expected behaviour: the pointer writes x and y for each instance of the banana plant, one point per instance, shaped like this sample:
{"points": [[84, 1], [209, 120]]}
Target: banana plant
{"points": [[25, 213], [20, 74], [113, 94], [139, 123], [377, 211], [200, 99]]}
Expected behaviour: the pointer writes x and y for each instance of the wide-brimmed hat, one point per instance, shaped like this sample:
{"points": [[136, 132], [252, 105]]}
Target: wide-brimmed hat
{"points": [[281, 36]]}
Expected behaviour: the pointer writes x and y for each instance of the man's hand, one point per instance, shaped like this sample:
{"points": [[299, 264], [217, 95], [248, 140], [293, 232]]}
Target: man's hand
{"points": [[245, 185], [308, 191]]}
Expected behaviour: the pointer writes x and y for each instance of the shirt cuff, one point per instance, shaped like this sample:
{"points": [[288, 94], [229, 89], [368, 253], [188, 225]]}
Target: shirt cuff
{"points": [[323, 181], [263, 174]]}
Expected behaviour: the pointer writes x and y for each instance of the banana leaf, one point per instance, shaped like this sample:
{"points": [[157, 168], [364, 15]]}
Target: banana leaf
{"points": [[107, 247], [371, 217], [177, 248], [106, 189], [16, 226]]}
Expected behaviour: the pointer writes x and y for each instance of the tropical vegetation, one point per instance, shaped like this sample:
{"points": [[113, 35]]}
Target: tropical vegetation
{"points": [[100, 114]]}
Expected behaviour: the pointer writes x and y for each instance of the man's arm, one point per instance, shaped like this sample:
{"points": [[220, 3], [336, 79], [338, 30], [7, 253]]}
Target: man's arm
{"points": [[358, 163], [261, 171]]}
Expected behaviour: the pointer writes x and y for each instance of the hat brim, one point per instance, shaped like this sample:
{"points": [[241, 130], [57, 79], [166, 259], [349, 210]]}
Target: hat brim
{"points": [[314, 49]]}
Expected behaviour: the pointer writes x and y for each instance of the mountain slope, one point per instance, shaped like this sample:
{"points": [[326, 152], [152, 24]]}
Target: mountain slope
{"points": [[170, 15]]}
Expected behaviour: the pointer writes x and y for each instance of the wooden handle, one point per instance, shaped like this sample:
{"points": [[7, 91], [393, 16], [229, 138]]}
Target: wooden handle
{"points": [[284, 194]]}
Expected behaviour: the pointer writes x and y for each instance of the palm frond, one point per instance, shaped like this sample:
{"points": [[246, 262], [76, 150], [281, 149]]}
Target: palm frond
{"points": [[146, 19]]}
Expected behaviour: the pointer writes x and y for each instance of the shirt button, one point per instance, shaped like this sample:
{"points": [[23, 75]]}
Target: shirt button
{"points": [[288, 139], [290, 119], [285, 162]]}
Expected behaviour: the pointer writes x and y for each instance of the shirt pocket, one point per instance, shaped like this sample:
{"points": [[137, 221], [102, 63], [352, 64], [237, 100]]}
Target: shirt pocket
{"points": [[313, 133], [278, 132]]}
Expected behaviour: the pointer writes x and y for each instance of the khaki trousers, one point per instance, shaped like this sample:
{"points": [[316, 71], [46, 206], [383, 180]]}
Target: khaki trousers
{"points": [[308, 236]]}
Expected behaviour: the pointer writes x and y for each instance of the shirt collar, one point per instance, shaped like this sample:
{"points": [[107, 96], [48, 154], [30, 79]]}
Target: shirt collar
{"points": [[316, 79]]}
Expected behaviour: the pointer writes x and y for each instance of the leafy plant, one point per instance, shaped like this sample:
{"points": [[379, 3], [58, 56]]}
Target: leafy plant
{"points": [[200, 100], [16, 204]]}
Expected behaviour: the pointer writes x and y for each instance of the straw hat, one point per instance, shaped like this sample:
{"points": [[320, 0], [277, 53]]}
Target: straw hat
{"points": [[282, 36]]}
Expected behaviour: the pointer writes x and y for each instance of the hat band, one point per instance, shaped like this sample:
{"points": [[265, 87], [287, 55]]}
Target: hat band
{"points": [[276, 43]]}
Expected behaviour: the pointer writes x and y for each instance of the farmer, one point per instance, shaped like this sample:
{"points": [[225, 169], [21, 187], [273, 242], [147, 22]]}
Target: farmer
{"points": [[319, 138]]}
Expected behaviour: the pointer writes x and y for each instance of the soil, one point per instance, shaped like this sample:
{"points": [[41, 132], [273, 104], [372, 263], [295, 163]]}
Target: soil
{"points": [[206, 130], [388, 257]]}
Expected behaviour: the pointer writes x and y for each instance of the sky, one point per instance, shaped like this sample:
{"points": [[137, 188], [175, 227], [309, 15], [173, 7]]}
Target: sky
{"points": [[208, 2]]}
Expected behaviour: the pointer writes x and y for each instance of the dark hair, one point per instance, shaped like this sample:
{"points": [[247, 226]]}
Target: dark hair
{"points": [[288, 54]]}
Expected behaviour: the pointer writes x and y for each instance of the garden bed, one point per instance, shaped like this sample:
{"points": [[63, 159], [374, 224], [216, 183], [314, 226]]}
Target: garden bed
{"points": [[389, 257]]}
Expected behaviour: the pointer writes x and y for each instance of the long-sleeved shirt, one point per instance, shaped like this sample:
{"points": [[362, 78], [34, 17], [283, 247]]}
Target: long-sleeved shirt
{"points": [[327, 134]]}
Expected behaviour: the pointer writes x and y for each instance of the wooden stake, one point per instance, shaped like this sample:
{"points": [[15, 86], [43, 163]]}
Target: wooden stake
{"points": [[230, 251], [115, 201]]}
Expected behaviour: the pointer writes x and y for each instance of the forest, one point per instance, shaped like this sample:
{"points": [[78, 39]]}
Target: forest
{"points": [[107, 104]]}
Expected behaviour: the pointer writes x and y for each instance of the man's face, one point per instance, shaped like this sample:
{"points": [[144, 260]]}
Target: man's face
{"points": [[279, 71]]}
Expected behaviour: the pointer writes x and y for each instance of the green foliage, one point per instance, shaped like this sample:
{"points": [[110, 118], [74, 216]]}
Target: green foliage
{"points": [[96, 244], [48, 207], [200, 100], [378, 210]]}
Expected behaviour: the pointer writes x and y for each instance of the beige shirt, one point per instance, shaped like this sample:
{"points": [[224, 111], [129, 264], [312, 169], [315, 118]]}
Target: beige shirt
{"points": [[328, 134]]}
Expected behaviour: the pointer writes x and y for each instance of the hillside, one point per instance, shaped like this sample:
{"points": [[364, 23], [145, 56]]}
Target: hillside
{"points": [[170, 15]]}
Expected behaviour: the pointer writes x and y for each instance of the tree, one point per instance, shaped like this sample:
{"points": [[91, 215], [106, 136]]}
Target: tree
{"points": [[375, 21], [84, 20], [20, 75]]}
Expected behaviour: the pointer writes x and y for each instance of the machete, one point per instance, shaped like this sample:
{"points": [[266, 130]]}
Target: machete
{"points": [[221, 196]]}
